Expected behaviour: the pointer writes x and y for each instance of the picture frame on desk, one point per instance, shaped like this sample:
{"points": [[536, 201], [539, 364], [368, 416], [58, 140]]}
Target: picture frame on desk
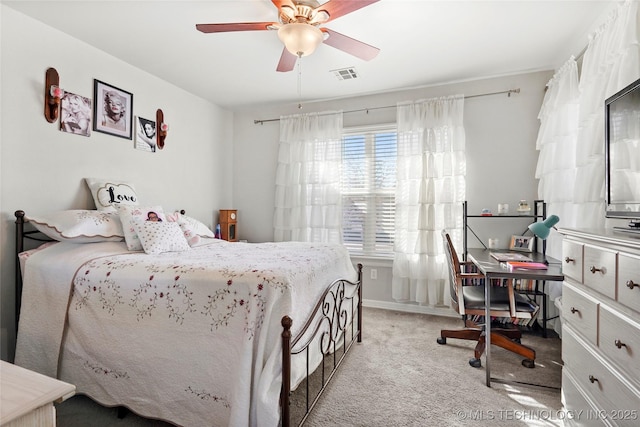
{"points": [[521, 243]]}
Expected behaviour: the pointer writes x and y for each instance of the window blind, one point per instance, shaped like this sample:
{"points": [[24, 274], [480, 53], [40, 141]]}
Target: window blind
{"points": [[368, 190]]}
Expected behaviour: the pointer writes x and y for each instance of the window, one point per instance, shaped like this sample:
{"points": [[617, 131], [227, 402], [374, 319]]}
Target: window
{"points": [[368, 190]]}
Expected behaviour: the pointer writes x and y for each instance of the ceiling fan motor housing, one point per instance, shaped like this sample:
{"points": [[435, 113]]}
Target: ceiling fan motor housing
{"points": [[300, 39]]}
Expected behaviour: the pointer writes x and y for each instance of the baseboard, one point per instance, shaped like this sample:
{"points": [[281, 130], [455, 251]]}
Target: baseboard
{"points": [[410, 308]]}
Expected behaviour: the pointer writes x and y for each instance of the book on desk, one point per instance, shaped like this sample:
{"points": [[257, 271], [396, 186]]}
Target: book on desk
{"points": [[525, 265], [509, 256]]}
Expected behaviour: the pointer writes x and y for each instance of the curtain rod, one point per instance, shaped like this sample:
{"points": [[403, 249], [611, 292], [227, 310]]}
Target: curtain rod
{"points": [[581, 53], [508, 92]]}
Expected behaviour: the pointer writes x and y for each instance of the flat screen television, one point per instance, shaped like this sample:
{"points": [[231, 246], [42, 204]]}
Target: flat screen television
{"points": [[622, 156]]}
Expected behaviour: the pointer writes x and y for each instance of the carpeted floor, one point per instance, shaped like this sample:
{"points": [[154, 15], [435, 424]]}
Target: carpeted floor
{"points": [[400, 376]]}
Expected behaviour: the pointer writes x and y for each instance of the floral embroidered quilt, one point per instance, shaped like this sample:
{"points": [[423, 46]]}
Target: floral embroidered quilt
{"points": [[190, 337]]}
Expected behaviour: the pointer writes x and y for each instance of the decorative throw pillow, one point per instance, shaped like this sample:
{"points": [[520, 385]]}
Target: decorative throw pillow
{"points": [[80, 226], [191, 227], [129, 215], [198, 228], [109, 193], [159, 237]]}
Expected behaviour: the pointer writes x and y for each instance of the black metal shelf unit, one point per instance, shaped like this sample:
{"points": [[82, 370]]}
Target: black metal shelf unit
{"points": [[539, 212]]}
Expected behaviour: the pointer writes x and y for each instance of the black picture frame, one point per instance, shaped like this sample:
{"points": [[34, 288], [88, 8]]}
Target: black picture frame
{"points": [[106, 96]]}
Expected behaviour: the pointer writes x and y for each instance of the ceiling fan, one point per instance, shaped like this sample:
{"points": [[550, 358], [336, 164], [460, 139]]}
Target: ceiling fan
{"points": [[299, 29]]}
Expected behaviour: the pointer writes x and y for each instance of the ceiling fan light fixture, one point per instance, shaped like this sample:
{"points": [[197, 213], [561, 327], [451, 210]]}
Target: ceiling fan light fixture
{"points": [[299, 38]]}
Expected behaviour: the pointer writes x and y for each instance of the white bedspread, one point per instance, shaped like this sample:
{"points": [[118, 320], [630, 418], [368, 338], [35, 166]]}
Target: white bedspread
{"points": [[191, 337]]}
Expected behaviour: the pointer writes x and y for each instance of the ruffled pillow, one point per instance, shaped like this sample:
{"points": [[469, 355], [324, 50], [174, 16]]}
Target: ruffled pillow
{"points": [[159, 237], [79, 226], [129, 215]]}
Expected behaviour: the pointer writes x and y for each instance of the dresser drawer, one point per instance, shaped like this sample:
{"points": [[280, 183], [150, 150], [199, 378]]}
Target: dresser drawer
{"points": [[610, 395], [600, 270], [629, 281], [620, 340], [581, 312], [572, 260], [572, 397]]}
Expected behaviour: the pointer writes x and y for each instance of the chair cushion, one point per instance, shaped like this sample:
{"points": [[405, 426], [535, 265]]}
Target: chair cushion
{"points": [[474, 299]]}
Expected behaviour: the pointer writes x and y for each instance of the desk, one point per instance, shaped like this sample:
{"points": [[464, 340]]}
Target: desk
{"points": [[493, 270]]}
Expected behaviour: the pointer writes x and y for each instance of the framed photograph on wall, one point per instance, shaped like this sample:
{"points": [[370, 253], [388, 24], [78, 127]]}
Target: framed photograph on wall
{"points": [[113, 111], [521, 243], [146, 135]]}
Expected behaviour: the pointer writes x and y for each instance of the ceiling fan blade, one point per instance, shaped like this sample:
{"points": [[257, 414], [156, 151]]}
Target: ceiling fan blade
{"points": [[287, 61], [280, 3], [351, 46], [238, 26], [338, 8]]}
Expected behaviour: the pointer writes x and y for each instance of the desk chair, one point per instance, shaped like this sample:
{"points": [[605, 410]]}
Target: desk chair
{"points": [[468, 299]]}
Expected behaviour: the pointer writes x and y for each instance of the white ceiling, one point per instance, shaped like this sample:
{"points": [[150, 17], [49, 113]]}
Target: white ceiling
{"points": [[422, 42]]}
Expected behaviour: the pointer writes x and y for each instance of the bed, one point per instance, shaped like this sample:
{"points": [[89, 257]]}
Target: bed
{"points": [[217, 335]]}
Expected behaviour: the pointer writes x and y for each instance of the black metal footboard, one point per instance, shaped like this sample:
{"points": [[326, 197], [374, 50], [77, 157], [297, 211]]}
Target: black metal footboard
{"points": [[332, 328]]}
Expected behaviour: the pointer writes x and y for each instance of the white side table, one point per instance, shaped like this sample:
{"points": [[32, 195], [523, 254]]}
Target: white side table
{"points": [[27, 397]]}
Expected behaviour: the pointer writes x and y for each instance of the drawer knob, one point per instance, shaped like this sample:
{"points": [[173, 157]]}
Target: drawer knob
{"points": [[574, 310], [619, 344], [594, 270], [631, 284], [568, 260], [593, 379]]}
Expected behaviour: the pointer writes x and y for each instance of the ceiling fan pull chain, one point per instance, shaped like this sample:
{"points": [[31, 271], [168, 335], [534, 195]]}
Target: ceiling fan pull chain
{"points": [[300, 82]]}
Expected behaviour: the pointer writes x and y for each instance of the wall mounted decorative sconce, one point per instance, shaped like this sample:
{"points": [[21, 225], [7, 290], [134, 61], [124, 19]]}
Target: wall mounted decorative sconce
{"points": [[52, 95], [162, 128]]}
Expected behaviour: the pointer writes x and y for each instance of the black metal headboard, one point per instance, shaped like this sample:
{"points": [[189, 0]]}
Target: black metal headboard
{"points": [[21, 236]]}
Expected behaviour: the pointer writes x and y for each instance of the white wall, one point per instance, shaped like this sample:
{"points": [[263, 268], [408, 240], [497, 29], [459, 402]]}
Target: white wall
{"points": [[501, 133], [42, 169]]}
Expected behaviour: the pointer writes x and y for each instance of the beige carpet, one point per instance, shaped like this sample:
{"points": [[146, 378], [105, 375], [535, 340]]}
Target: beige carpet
{"points": [[400, 376]]}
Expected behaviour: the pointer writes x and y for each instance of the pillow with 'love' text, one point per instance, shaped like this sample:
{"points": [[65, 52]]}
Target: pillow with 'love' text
{"points": [[110, 193]]}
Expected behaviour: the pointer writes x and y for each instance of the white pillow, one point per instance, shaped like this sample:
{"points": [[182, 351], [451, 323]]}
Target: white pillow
{"points": [[109, 193], [191, 227], [196, 227], [129, 215], [159, 237], [80, 226]]}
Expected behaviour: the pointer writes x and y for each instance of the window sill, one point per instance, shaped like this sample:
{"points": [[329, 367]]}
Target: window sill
{"points": [[373, 261]]}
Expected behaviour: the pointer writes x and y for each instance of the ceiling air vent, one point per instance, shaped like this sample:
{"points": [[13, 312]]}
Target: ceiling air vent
{"points": [[346, 73]]}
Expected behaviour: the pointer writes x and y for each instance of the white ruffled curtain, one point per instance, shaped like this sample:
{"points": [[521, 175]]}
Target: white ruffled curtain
{"points": [[430, 189], [308, 204], [611, 61], [556, 168], [557, 136], [571, 136]]}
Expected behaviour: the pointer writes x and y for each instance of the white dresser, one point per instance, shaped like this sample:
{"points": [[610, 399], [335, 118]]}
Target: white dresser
{"points": [[601, 328]]}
